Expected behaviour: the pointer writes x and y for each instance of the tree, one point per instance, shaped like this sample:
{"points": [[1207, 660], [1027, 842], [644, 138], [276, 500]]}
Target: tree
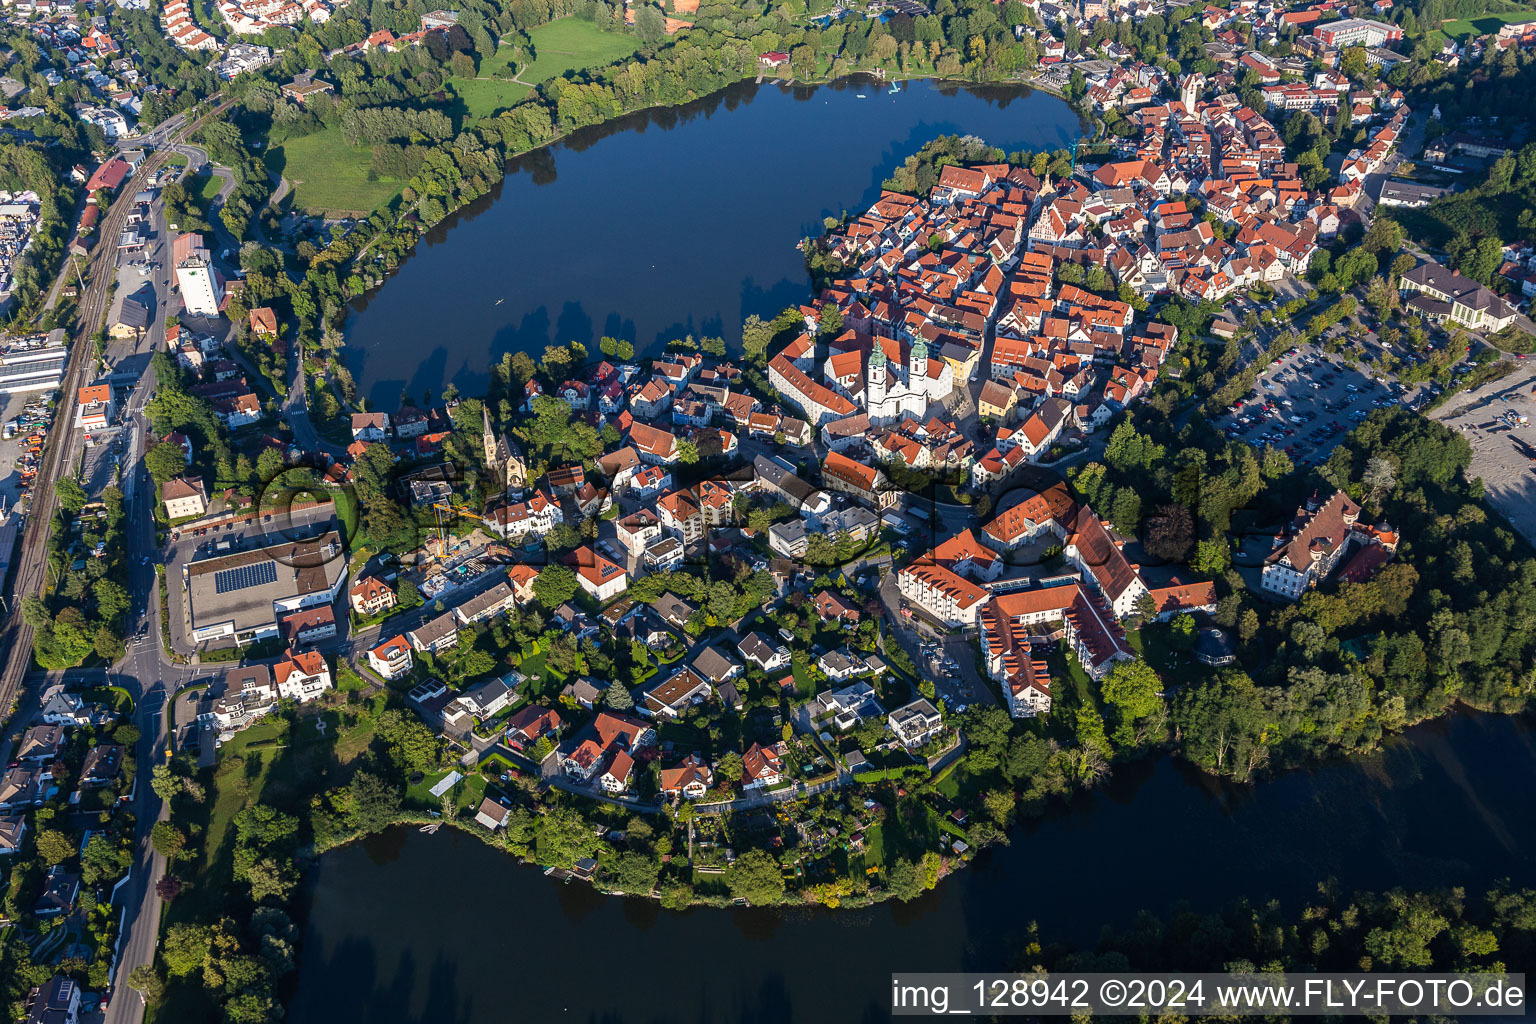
{"points": [[1248, 625], [1132, 688], [904, 880], [102, 861], [636, 872], [375, 803], [1211, 557], [54, 846], [185, 947], [1170, 534], [270, 878], [650, 25], [687, 452], [165, 461], [411, 745], [729, 769], [554, 585], [71, 495], [163, 783], [755, 877], [999, 804], [147, 981], [167, 839], [676, 896], [617, 697], [1181, 632], [755, 337]]}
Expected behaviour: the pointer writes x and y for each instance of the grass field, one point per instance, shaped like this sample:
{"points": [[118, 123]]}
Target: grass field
{"points": [[204, 189], [329, 176], [484, 97], [1467, 28], [571, 44]]}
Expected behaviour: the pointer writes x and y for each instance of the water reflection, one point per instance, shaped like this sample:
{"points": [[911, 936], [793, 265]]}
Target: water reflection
{"points": [[654, 235], [448, 918]]}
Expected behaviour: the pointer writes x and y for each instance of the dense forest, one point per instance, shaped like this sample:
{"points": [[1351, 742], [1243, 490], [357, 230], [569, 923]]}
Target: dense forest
{"points": [[1400, 930]]}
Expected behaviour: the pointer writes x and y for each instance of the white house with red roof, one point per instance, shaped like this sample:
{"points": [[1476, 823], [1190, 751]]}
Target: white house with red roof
{"points": [[596, 575], [302, 676], [392, 658], [762, 766]]}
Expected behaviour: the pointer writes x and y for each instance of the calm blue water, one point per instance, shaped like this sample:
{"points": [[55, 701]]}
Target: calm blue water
{"points": [[667, 223], [414, 928]]}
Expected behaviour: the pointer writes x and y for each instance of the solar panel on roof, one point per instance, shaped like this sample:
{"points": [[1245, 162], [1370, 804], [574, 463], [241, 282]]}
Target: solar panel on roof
{"points": [[243, 576]]}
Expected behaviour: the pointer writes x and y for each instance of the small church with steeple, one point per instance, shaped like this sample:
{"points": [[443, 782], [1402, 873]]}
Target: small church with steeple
{"points": [[504, 459]]}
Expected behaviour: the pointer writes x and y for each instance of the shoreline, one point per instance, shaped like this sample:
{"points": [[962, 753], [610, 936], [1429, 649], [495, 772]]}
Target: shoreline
{"points": [[312, 856]]}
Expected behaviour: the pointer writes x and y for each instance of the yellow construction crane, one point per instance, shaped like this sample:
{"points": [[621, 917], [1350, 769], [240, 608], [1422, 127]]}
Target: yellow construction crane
{"points": [[442, 523]]}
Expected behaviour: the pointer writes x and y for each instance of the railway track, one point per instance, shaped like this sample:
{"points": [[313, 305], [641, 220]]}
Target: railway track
{"points": [[31, 563]]}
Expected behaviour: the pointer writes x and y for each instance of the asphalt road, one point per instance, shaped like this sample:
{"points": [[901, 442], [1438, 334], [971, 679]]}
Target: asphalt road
{"points": [[141, 672]]}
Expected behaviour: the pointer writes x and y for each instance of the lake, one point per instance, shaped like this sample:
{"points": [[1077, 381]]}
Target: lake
{"points": [[443, 929], [666, 223]]}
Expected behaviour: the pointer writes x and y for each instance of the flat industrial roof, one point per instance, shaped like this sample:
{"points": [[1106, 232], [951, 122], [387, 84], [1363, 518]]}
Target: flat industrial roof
{"points": [[241, 587]]}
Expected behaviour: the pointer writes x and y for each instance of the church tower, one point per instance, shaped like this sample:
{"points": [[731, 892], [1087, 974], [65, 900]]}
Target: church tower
{"points": [[917, 365], [489, 438], [503, 458], [874, 389]]}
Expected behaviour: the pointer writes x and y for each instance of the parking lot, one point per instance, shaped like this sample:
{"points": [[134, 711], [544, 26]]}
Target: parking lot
{"points": [[19, 454], [1503, 448], [1305, 403], [103, 454]]}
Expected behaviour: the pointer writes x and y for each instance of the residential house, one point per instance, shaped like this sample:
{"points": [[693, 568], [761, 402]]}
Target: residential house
{"points": [[436, 635], [485, 700], [491, 814], [183, 497], [596, 575], [831, 606], [40, 744], [762, 767], [392, 658], [848, 705], [369, 427], [763, 651], [673, 696], [689, 779], [370, 596], [60, 888], [608, 733], [530, 724], [486, 605], [916, 723], [302, 676], [22, 787], [103, 766], [13, 832]]}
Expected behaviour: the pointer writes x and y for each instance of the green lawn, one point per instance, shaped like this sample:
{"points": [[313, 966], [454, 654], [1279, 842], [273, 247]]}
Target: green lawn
{"points": [[571, 44], [499, 64], [1463, 29], [484, 97], [466, 793], [1175, 668], [329, 176]]}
